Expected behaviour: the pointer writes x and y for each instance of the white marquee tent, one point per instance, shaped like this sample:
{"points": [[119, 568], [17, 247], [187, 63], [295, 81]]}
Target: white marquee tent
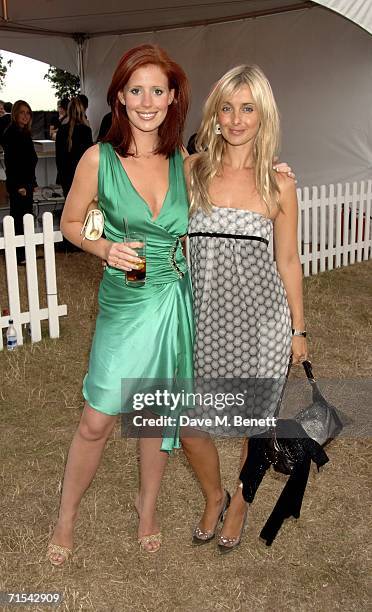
{"points": [[318, 59]]}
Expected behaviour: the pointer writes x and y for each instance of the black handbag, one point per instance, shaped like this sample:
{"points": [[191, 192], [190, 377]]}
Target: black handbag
{"points": [[320, 419], [296, 453], [290, 447], [281, 452]]}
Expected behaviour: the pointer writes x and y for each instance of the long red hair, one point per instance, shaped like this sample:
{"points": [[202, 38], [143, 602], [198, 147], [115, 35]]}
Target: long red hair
{"points": [[171, 130]]}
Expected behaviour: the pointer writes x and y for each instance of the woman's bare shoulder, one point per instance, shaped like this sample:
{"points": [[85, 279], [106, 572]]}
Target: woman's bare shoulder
{"points": [[92, 154], [90, 159]]}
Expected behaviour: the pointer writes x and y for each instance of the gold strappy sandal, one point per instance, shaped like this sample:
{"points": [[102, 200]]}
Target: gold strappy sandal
{"points": [[56, 549], [148, 539], [156, 537]]}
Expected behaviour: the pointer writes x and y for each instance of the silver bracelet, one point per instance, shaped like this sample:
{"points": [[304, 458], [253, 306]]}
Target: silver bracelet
{"points": [[298, 332]]}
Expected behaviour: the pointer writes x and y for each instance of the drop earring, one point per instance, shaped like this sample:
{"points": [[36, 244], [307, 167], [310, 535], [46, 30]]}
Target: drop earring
{"points": [[217, 128]]}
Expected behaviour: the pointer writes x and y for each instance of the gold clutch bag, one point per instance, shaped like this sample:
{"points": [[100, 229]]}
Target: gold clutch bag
{"points": [[93, 225]]}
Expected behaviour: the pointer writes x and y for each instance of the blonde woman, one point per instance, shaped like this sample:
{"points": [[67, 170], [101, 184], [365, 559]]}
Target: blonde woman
{"points": [[248, 312]]}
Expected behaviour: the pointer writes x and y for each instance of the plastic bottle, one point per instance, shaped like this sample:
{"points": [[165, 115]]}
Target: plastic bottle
{"points": [[11, 337]]}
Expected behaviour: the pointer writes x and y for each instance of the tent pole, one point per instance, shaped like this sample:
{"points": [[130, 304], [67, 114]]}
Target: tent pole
{"points": [[5, 10], [80, 41]]}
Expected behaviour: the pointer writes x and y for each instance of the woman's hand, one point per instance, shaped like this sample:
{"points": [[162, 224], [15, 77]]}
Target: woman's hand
{"points": [[22, 191], [284, 168], [121, 255], [299, 350]]}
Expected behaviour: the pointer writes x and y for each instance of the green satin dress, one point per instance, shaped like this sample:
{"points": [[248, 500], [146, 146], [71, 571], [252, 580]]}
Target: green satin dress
{"points": [[142, 332]]}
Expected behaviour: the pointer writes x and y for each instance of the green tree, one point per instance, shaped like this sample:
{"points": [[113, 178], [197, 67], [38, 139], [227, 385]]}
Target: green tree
{"points": [[67, 85], [4, 65]]}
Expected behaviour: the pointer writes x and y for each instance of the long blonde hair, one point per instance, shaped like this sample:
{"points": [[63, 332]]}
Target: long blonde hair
{"points": [[76, 116], [211, 146]]}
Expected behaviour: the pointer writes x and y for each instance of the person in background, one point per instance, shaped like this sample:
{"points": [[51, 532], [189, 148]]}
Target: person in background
{"points": [[5, 117], [57, 121], [73, 139], [105, 126], [84, 100], [20, 163], [191, 149]]}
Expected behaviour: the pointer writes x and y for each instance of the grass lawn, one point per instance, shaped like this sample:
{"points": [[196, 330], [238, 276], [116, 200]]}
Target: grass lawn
{"points": [[316, 563]]}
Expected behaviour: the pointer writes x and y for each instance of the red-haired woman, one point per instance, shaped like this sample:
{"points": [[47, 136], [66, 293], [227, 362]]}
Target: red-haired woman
{"points": [[141, 332]]}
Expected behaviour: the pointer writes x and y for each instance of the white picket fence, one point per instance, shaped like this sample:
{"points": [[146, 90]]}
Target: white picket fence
{"points": [[334, 230], [334, 227], [35, 314]]}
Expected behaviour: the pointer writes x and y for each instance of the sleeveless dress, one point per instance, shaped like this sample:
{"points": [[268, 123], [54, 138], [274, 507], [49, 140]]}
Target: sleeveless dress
{"points": [[242, 318], [141, 332]]}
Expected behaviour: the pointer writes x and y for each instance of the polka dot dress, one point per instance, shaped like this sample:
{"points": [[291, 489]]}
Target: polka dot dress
{"points": [[243, 324]]}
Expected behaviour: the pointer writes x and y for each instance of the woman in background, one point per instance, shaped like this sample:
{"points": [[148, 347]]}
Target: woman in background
{"points": [[60, 118], [72, 140], [20, 163]]}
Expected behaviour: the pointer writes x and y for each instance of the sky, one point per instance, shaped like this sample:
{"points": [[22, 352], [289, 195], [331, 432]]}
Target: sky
{"points": [[24, 80]]}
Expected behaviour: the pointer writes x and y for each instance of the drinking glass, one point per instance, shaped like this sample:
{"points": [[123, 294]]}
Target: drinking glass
{"points": [[137, 277]]}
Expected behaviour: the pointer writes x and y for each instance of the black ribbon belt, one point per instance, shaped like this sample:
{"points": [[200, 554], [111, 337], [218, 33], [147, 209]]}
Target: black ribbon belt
{"points": [[234, 236]]}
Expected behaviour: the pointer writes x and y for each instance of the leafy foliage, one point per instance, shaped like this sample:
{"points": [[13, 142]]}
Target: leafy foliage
{"points": [[67, 85], [4, 65]]}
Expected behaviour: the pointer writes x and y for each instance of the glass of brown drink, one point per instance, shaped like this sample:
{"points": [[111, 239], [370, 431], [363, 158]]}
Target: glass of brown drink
{"points": [[137, 277]]}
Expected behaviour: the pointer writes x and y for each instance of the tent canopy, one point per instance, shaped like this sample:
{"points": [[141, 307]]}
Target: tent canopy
{"points": [[93, 18], [72, 22]]}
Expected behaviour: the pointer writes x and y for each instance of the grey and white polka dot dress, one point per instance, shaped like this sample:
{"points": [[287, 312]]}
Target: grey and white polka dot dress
{"points": [[243, 324]]}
